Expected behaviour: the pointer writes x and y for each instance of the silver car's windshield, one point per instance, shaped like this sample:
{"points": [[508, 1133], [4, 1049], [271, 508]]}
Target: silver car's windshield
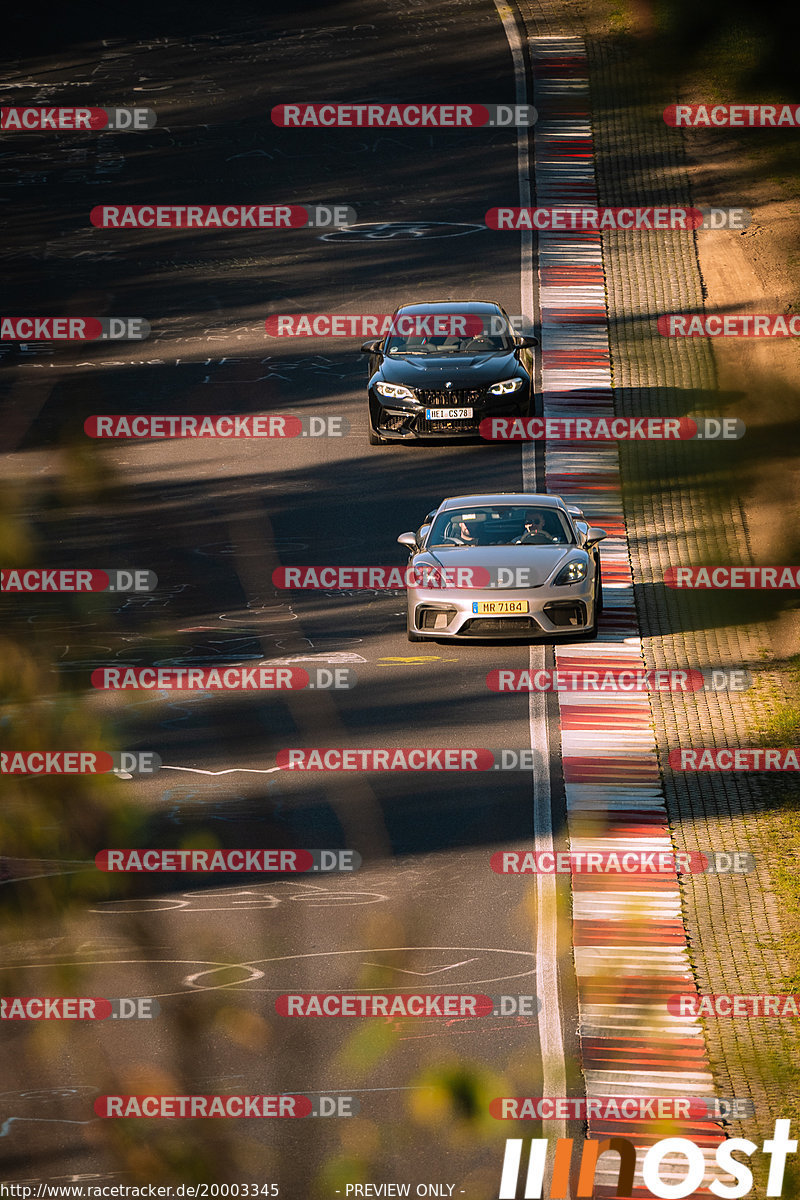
{"points": [[500, 525]]}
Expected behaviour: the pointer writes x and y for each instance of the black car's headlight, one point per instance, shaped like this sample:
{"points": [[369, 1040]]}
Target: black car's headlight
{"points": [[505, 386], [573, 572], [394, 391]]}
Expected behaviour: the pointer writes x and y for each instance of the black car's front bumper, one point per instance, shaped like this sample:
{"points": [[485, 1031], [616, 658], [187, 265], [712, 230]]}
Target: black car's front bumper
{"points": [[407, 421]]}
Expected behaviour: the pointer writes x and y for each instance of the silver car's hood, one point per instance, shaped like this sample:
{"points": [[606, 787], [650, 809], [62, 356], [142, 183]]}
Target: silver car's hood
{"points": [[540, 561]]}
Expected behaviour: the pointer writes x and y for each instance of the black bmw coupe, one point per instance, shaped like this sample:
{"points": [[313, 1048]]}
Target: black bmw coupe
{"points": [[442, 368]]}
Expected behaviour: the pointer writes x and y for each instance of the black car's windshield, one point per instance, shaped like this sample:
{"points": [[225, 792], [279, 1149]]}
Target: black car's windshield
{"points": [[500, 525], [449, 333]]}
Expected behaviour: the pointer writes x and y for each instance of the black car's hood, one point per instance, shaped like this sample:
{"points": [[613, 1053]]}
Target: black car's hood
{"points": [[461, 370]]}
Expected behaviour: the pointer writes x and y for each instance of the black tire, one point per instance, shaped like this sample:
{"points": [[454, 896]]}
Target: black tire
{"points": [[591, 633], [374, 438], [414, 637]]}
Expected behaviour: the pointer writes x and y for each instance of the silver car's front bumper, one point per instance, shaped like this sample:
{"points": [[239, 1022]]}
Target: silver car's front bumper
{"points": [[552, 611]]}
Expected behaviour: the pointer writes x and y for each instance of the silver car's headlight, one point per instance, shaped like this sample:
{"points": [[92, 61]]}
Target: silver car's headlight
{"points": [[395, 391], [573, 572], [505, 386]]}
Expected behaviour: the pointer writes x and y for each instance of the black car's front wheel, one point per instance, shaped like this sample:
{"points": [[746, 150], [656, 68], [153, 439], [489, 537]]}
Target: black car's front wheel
{"points": [[375, 439]]}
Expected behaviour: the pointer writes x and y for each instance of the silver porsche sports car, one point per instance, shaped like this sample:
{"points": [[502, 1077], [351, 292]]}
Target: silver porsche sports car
{"points": [[509, 565]]}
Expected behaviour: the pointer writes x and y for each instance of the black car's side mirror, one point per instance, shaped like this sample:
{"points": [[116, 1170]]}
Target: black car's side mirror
{"points": [[371, 347], [525, 341]]}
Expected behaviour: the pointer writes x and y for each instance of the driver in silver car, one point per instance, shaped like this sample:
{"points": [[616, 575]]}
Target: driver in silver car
{"points": [[465, 532], [534, 532]]}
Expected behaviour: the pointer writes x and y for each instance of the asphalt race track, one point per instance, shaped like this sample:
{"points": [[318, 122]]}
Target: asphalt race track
{"points": [[214, 518]]}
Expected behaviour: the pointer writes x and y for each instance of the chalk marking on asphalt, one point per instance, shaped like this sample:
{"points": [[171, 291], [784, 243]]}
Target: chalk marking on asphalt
{"points": [[5, 1128], [228, 771], [436, 971], [190, 980]]}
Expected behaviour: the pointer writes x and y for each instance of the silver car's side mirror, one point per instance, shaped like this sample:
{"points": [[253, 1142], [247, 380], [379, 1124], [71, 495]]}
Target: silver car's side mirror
{"points": [[594, 535], [408, 539]]}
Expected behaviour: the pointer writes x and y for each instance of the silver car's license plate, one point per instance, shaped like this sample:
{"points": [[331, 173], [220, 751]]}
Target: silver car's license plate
{"points": [[499, 608], [448, 414]]}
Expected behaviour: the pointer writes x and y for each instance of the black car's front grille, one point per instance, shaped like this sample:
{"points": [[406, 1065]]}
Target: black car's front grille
{"points": [[467, 425], [460, 398], [455, 398]]}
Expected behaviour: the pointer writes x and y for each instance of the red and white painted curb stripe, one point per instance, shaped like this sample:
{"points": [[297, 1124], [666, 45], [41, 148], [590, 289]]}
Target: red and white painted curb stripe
{"points": [[628, 935]]}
